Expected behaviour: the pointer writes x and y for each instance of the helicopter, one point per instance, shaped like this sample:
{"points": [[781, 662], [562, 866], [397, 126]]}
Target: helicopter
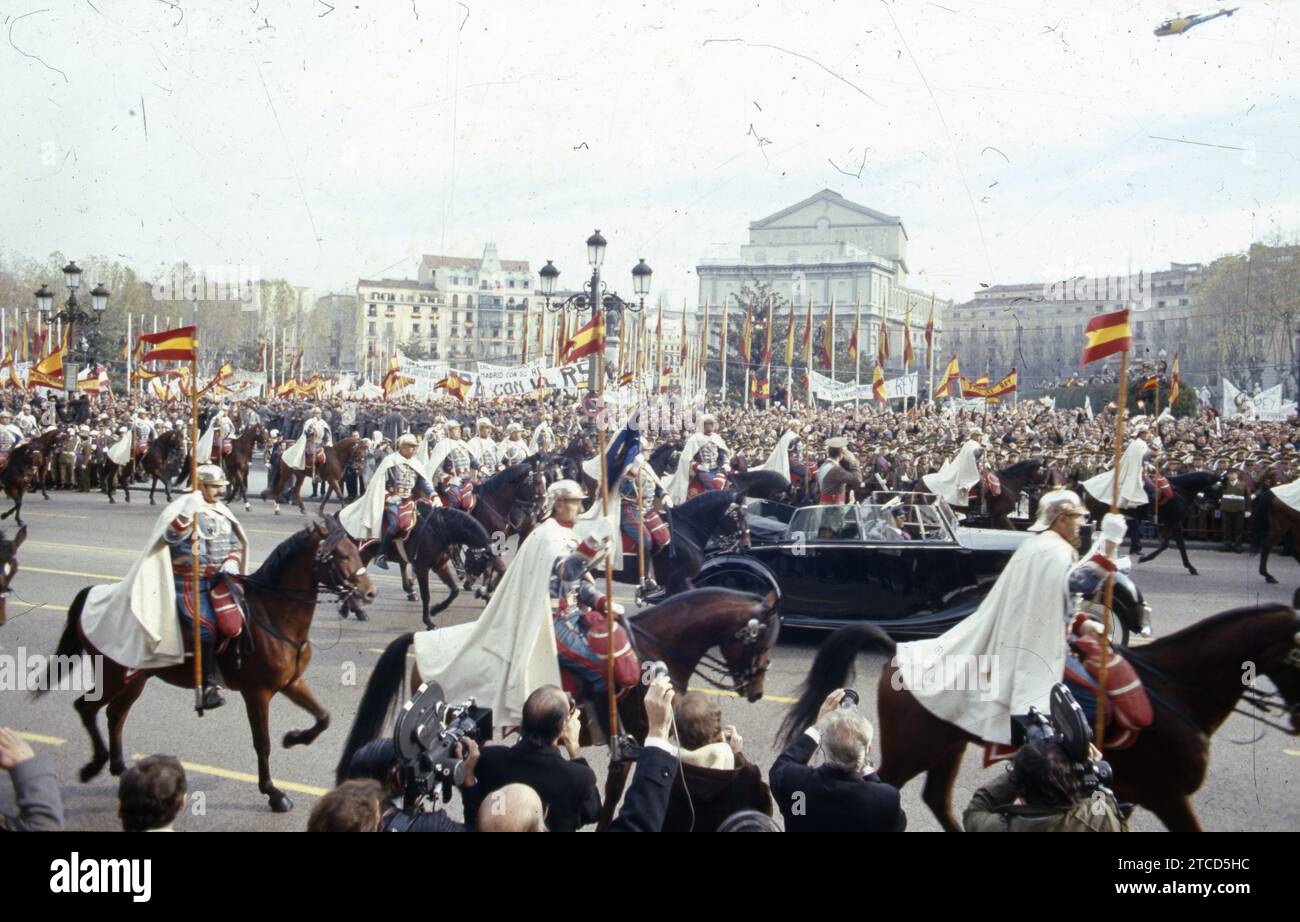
{"points": [[1180, 24]]}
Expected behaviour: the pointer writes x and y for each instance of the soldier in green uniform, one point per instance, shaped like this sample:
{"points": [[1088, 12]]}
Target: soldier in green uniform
{"points": [[1233, 508]]}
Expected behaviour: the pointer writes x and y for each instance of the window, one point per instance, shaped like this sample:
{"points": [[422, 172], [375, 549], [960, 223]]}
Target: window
{"points": [[415, 329], [1160, 304], [415, 310], [371, 330], [371, 311], [1182, 302]]}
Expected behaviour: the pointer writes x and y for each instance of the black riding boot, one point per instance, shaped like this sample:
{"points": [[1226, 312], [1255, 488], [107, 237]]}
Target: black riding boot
{"points": [[211, 691]]}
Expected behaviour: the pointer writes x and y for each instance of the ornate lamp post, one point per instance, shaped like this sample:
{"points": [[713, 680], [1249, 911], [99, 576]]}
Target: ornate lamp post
{"points": [[72, 314]]}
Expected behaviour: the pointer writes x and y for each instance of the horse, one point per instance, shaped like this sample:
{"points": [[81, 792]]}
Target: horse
{"points": [[336, 456], [759, 484], [678, 633], [237, 462], [46, 443], [154, 460], [14, 477], [1013, 481], [1193, 678], [509, 502], [690, 525], [9, 564], [1174, 512], [437, 533], [1272, 521], [660, 459], [271, 656]]}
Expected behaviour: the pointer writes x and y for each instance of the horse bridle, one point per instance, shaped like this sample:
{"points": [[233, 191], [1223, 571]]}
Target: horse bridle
{"points": [[740, 680], [1269, 702], [740, 539], [343, 585]]}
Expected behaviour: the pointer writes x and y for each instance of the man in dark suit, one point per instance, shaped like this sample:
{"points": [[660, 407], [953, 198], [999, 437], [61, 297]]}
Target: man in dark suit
{"points": [[566, 786], [840, 795], [646, 801]]}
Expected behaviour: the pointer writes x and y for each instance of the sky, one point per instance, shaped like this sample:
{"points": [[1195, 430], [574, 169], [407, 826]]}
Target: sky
{"points": [[1019, 140]]}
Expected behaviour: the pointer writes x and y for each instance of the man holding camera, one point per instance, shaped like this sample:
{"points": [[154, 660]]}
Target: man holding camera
{"points": [[1042, 793], [566, 786], [843, 794]]}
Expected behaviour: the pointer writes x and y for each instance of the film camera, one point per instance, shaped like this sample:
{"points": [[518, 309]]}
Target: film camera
{"points": [[426, 737], [1067, 725]]}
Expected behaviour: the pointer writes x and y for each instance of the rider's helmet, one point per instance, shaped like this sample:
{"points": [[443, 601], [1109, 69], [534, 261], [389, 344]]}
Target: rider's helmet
{"points": [[211, 475], [1055, 504]]}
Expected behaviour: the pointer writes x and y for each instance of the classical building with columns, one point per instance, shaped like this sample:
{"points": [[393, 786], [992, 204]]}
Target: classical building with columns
{"points": [[827, 247]]}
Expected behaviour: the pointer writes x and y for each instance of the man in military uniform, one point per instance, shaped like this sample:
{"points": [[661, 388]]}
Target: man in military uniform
{"points": [[222, 549], [483, 449], [838, 473], [1232, 507], [142, 433], [10, 437], [514, 449], [642, 494], [26, 422], [400, 482], [318, 436], [458, 464]]}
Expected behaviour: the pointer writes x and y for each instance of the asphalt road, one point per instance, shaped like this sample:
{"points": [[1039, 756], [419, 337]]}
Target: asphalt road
{"points": [[78, 539]]}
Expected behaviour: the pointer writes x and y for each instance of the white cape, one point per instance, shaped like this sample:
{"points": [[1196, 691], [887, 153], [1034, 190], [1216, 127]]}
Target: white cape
{"points": [[295, 456], [364, 518], [134, 622], [510, 650], [954, 480], [1288, 494], [205, 441], [1007, 655], [681, 482], [1131, 492], [779, 459], [120, 451]]}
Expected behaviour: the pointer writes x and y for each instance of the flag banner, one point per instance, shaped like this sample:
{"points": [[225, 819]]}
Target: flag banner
{"points": [[828, 338], [1007, 385], [951, 381], [1107, 334], [883, 352], [823, 388], [457, 384], [48, 372], [929, 332], [746, 332], [1173, 382], [589, 340], [178, 345], [908, 357], [878, 384], [1151, 383]]}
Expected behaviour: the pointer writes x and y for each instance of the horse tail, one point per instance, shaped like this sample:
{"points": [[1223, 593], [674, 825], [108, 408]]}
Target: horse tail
{"points": [[1259, 520], [832, 668], [69, 643], [378, 702]]}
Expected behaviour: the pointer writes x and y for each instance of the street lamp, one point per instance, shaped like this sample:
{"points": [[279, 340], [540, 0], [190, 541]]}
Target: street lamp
{"points": [[72, 314], [594, 296]]}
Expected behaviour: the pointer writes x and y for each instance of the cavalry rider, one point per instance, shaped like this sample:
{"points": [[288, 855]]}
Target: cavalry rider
{"points": [[643, 494], [318, 435], [483, 449], [10, 437], [954, 480], [26, 422], [546, 611], [703, 463], [783, 458], [514, 449], [223, 429], [142, 432], [1132, 492], [839, 472], [135, 622], [452, 454], [543, 439], [386, 510], [1016, 638]]}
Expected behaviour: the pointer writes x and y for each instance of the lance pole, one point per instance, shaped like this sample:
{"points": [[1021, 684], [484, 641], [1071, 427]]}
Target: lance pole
{"points": [[1107, 613], [604, 508], [194, 527]]}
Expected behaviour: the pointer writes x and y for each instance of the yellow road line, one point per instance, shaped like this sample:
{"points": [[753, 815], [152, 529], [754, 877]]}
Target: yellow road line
{"points": [[41, 738], [1292, 752], [81, 547], [246, 777], [28, 568]]}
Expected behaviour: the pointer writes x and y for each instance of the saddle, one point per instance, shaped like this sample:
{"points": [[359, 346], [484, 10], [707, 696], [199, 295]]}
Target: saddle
{"points": [[226, 448], [992, 484], [230, 608], [1128, 709]]}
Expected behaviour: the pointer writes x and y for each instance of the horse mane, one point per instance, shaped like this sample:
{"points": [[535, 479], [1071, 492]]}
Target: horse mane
{"points": [[461, 527], [273, 566], [1021, 468]]}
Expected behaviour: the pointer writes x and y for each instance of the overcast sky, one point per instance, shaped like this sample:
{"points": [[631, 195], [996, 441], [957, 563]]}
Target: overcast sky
{"points": [[1017, 139]]}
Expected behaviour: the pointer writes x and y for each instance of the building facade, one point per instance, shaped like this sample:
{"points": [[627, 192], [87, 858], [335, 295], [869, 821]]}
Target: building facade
{"points": [[827, 248], [458, 309]]}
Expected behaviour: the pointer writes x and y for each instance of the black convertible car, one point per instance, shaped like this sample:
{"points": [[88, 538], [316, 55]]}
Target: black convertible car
{"points": [[900, 560]]}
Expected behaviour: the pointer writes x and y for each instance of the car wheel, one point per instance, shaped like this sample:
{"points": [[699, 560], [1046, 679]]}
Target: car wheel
{"points": [[1119, 632]]}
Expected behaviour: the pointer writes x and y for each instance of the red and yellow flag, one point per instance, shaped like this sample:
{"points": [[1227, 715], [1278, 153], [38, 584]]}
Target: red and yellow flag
{"points": [[1150, 384], [589, 340], [48, 372], [1006, 385], [929, 332], [828, 339], [178, 345], [951, 383], [908, 356], [789, 339], [853, 340], [884, 342], [979, 388], [807, 338], [878, 384], [1173, 382], [1107, 334], [458, 385], [767, 340]]}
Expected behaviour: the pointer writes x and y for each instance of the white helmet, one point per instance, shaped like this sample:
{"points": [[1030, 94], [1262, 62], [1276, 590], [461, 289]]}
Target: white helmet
{"points": [[562, 489], [1055, 504]]}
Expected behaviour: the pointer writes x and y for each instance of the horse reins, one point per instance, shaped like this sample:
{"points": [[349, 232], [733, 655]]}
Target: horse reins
{"points": [[750, 633]]}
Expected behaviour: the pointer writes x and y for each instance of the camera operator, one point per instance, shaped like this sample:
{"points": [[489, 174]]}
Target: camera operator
{"points": [[566, 786], [1042, 793], [841, 795], [378, 760], [716, 780]]}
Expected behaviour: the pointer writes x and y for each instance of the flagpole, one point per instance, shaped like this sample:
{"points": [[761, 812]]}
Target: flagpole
{"points": [[609, 571], [722, 357], [857, 353], [1100, 727], [1156, 515], [194, 530]]}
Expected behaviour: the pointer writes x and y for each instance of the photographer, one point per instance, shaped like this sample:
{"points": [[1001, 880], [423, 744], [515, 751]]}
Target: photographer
{"points": [[378, 760], [839, 796], [715, 780], [1042, 793], [566, 786]]}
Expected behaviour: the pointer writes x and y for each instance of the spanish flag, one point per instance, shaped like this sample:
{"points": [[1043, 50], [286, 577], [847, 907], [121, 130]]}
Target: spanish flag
{"points": [[767, 342], [908, 356], [1173, 382], [883, 353], [789, 339], [951, 383], [1005, 386], [759, 389], [853, 342], [929, 332], [979, 388], [878, 384], [589, 340], [458, 385], [828, 338], [178, 345], [1150, 384], [48, 372], [224, 373], [1108, 334]]}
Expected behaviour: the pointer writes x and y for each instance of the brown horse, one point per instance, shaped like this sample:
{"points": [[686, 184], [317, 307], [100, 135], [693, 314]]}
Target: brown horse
{"points": [[9, 564], [15, 478], [337, 457], [1272, 521], [1019, 478], [46, 445], [273, 659], [236, 463], [153, 461], [679, 633], [1194, 679]]}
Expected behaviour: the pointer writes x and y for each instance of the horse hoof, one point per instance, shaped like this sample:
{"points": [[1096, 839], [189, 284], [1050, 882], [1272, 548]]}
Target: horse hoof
{"points": [[291, 739], [1270, 579], [410, 597], [361, 615], [1193, 571], [116, 768], [280, 803]]}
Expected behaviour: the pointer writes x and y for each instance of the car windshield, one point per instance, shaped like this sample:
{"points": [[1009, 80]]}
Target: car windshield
{"points": [[892, 516], [824, 523]]}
